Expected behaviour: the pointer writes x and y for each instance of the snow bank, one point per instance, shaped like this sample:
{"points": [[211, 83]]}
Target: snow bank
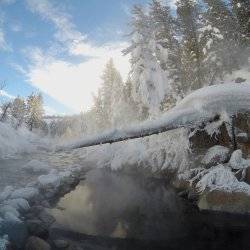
{"points": [[13, 141]]}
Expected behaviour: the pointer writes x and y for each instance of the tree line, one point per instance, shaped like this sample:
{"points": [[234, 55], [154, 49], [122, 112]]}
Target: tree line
{"points": [[20, 111], [172, 52]]}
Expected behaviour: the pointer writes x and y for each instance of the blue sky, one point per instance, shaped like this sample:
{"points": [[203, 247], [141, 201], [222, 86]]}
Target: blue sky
{"points": [[60, 47]]}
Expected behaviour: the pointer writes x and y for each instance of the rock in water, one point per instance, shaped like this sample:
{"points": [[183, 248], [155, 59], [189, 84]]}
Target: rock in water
{"points": [[15, 229], [220, 200], [216, 155], [61, 244], [35, 243], [37, 228]]}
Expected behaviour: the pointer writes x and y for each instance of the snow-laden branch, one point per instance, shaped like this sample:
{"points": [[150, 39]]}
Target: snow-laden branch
{"points": [[200, 107]]}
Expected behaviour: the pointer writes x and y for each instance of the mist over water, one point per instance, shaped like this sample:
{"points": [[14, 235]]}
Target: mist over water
{"points": [[117, 205]]}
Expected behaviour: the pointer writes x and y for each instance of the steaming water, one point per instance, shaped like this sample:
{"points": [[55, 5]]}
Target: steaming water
{"points": [[116, 205], [112, 205]]}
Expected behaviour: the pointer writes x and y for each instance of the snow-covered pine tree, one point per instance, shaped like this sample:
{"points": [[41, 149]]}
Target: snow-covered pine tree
{"points": [[18, 111], [212, 45], [109, 95], [125, 109], [34, 110], [188, 12], [241, 9], [148, 78], [220, 16], [99, 114], [168, 49]]}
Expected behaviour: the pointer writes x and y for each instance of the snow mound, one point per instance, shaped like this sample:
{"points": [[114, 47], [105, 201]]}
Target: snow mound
{"points": [[36, 166], [215, 155]]}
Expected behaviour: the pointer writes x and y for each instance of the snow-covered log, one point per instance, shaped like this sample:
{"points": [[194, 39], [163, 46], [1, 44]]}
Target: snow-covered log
{"points": [[200, 107]]}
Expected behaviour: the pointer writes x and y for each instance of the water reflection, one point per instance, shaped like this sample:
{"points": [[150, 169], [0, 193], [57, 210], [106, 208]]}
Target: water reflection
{"points": [[116, 205]]}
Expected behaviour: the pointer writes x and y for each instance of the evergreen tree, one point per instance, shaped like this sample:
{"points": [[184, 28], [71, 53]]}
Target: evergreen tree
{"points": [[168, 48], [109, 95], [219, 15], [148, 78], [241, 9], [100, 115], [212, 45], [18, 111], [34, 110], [188, 13]]}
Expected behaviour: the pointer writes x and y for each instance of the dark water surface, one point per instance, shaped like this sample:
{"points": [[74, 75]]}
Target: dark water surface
{"points": [[119, 211]]}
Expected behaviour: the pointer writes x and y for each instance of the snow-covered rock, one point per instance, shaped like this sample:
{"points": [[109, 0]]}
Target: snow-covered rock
{"points": [[27, 193], [49, 180], [9, 211], [216, 155], [222, 178], [237, 161], [37, 166], [20, 204], [6, 193], [242, 137]]}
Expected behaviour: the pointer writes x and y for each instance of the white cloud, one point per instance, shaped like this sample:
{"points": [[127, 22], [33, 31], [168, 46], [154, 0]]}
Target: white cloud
{"points": [[66, 30], [5, 94], [71, 83], [3, 44]]}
